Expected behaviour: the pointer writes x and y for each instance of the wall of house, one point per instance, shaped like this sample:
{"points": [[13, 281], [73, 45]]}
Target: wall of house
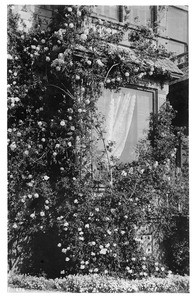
{"points": [[172, 20], [173, 28], [31, 13], [138, 15]]}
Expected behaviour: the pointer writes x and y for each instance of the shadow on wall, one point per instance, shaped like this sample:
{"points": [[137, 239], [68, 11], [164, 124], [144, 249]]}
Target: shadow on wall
{"points": [[178, 97]]}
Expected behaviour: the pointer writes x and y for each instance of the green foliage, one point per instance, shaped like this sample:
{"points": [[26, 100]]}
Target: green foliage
{"points": [[57, 223], [101, 284], [176, 245], [159, 190]]}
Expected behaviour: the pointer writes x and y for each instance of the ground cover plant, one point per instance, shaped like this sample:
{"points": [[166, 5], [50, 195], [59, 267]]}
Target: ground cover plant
{"points": [[101, 284]]}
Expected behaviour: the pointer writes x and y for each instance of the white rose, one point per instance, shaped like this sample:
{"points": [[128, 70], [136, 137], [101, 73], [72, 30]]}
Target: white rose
{"points": [[123, 173], [83, 37], [96, 270], [13, 146], [103, 251], [62, 123], [99, 62], [87, 101]]}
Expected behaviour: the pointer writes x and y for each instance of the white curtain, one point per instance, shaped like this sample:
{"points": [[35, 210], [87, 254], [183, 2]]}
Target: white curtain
{"points": [[126, 116], [118, 119]]}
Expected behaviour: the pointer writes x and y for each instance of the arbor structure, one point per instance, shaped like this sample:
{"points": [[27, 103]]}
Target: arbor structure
{"points": [[55, 77]]}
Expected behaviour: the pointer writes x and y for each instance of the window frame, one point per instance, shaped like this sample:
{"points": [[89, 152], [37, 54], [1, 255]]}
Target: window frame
{"points": [[152, 90], [155, 104], [99, 187]]}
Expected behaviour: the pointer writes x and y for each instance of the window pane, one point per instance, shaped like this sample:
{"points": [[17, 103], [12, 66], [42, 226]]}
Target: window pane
{"points": [[139, 15], [177, 24], [107, 11], [126, 117]]}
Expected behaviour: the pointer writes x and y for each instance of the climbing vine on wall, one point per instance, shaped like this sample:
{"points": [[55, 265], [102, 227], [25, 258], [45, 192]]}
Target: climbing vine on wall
{"points": [[55, 77]]}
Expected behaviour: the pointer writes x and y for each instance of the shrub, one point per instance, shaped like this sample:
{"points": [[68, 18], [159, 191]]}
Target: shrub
{"points": [[159, 190], [101, 284], [176, 246]]}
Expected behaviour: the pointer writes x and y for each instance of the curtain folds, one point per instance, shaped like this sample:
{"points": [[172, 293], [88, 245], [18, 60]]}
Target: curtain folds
{"points": [[126, 115], [118, 120]]}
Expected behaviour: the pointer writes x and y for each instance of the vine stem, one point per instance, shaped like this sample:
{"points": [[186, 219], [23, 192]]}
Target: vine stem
{"points": [[108, 159], [40, 157], [109, 71], [66, 92]]}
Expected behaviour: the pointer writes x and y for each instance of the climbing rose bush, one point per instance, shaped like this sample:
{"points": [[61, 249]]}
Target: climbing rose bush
{"points": [[160, 190], [57, 224]]}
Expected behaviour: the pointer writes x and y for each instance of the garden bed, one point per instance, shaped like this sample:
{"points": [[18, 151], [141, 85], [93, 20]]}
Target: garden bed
{"points": [[98, 284]]}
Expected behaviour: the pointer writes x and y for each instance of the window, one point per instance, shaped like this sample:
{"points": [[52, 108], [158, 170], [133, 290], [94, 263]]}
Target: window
{"points": [[174, 28], [126, 117], [177, 24], [139, 15], [107, 11]]}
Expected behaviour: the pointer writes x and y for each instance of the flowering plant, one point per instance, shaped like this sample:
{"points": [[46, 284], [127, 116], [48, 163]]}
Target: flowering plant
{"points": [[101, 284], [158, 188], [55, 77]]}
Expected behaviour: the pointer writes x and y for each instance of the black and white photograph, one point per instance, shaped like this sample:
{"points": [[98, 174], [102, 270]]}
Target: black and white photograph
{"points": [[98, 148]]}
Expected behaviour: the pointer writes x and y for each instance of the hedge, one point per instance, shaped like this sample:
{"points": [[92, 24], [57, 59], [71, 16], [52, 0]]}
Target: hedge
{"points": [[100, 284]]}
